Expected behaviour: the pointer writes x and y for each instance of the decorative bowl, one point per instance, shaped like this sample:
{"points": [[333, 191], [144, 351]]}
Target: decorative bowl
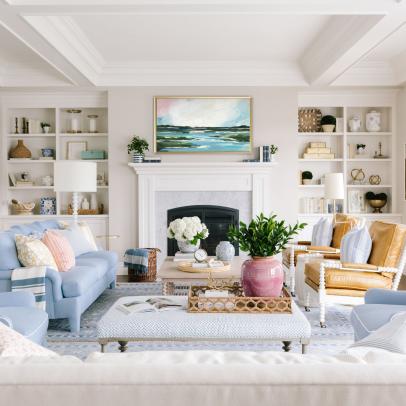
{"points": [[377, 204]]}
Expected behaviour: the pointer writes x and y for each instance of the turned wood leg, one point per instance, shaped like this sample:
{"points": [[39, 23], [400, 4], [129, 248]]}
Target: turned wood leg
{"points": [[304, 348], [123, 346], [286, 345]]}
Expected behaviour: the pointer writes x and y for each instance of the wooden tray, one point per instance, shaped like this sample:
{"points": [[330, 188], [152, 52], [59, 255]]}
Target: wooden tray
{"points": [[238, 303], [187, 267]]}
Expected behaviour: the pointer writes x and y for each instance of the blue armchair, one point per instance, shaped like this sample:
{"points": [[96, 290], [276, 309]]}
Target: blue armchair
{"points": [[18, 311], [380, 305]]}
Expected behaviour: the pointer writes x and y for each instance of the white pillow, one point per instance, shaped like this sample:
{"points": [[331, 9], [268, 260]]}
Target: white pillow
{"points": [[322, 233], [13, 344], [33, 252], [390, 337], [80, 238], [356, 246]]}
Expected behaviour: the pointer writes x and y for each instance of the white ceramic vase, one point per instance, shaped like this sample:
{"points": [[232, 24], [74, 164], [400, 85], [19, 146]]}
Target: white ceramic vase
{"points": [[354, 124], [373, 121], [225, 251], [186, 247], [93, 201]]}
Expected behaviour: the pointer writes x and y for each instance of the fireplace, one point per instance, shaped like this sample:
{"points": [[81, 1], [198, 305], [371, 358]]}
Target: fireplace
{"points": [[218, 219]]}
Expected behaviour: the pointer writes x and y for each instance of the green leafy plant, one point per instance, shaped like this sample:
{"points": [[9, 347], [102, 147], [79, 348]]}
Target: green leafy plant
{"points": [[377, 196], [273, 149], [138, 145], [263, 236], [328, 120], [43, 125], [307, 175], [361, 146]]}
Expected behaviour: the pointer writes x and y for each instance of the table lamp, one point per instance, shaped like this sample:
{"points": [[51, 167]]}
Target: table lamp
{"points": [[76, 177], [334, 188]]}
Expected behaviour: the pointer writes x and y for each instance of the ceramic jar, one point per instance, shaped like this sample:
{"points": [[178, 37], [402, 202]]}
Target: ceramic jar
{"points": [[262, 276], [47, 152], [137, 158], [373, 121], [225, 251], [20, 151], [47, 180], [354, 124], [188, 248]]}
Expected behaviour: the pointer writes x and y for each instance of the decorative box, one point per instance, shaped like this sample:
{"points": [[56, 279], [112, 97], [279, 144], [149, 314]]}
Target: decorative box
{"points": [[93, 154], [47, 205]]}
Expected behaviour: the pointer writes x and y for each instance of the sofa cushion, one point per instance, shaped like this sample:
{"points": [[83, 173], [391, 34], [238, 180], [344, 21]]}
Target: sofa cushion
{"points": [[387, 243], [61, 250], [343, 223], [109, 256], [322, 232], [81, 277], [346, 279], [356, 246], [8, 251], [77, 239]]}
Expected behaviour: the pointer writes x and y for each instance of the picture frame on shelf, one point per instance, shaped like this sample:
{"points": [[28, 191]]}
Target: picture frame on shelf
{"points": [[356, 201], [74, 149], [12, 179], [47, 206]]}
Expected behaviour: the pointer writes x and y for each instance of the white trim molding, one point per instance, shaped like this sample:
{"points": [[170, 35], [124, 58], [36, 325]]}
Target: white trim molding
{"points": [[195, 176]]}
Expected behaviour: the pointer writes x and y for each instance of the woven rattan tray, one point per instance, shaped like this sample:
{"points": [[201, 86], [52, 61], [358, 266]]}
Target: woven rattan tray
{"points": [[187, 267], [238, 303]]}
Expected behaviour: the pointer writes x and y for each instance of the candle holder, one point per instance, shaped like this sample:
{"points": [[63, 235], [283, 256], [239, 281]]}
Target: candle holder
{"points": [[74, 119]]}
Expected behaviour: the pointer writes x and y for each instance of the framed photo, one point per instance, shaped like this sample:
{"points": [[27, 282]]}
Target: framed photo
{"points": [[356, 201], [11, 179], [47, 205], [74, 148], [202, 124]]}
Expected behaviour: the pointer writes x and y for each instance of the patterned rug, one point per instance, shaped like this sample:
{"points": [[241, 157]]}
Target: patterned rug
{"points": [[337, 336]]}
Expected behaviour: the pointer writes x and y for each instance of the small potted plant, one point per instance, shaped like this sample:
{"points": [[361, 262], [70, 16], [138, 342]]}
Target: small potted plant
{"points": [[188, 231], [361, 149], [307, 177], [263, 238], [45, 127], [273, 149], [137, 147], [328, 123]]}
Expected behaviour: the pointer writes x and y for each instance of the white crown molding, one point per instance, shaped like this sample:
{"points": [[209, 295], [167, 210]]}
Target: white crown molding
{"points": [[66, 36]]}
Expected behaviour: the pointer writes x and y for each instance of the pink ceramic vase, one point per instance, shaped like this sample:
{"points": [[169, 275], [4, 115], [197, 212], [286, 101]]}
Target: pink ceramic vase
{"points": [[262, 276]]}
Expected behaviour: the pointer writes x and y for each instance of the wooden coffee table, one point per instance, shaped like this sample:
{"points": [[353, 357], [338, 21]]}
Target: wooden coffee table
{"points": [[171, 277]]}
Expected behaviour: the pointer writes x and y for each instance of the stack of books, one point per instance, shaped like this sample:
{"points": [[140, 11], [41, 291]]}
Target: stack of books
{"points": [[184, 257], [24, 183], [318, 150], [152, 159]]}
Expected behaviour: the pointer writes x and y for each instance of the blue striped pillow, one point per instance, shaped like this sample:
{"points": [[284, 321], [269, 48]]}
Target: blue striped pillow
{"points": [[356, 246], [322, 233]]}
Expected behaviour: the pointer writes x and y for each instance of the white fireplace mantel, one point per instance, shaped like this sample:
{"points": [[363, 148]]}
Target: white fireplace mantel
{"points": [[196, 176]]}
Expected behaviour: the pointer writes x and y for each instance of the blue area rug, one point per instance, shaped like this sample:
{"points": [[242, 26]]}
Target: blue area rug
{"points": [[336, 337]]}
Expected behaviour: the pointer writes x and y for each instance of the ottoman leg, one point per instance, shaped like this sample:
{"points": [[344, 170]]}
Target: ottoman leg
{"points": [[123, 346], [304, 348], [286, 345]]}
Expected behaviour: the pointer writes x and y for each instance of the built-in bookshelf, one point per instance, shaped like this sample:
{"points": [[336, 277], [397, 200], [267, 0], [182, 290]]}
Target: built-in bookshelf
{"points": [[60, 139], [311, 203]]}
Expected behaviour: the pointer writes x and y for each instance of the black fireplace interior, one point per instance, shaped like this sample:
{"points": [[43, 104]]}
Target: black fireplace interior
{"points": [[217, 219]]}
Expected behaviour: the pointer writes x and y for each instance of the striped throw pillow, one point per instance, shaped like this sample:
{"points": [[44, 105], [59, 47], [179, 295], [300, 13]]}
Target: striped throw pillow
{"points": [[356, 246], [322, 233], [60, 249]]}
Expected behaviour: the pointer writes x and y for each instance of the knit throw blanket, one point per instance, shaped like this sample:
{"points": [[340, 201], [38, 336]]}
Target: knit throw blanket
{"points": [[137, 259], [31, 280]]}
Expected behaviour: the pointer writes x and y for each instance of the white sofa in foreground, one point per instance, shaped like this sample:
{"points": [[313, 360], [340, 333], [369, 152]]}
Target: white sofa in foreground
{"points": [[172, 378]]}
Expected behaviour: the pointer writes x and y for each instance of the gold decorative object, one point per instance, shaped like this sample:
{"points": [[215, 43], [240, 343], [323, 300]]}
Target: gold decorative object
{"points": [[20, 151], [21, 208], [358, 176], [379, 155], [309, 120], [377, 204], [374, 180], [236, 302], [187, 267]]}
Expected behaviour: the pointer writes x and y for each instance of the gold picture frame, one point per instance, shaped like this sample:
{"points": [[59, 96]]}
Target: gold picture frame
{"points": [[203, 138]]}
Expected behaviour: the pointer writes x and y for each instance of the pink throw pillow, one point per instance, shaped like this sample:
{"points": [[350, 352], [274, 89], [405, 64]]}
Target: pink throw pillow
{"points": [[60, 249]]}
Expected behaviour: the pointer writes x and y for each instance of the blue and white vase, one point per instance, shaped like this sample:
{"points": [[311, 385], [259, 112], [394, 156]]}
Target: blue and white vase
{"points": [[225, 251], [186, 247]]}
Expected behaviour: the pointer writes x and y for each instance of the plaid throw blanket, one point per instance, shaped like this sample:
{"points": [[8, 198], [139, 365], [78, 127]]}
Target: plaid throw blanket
{"points": [[137, 259], [31, 280]]}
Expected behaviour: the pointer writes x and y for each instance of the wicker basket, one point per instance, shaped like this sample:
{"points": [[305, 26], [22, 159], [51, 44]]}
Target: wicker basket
{"points": [[309, 120], [21, 208], [150, 276]]}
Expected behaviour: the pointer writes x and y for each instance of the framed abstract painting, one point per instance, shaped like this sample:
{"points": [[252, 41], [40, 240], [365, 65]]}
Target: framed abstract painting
{"points": [[202, 124]]}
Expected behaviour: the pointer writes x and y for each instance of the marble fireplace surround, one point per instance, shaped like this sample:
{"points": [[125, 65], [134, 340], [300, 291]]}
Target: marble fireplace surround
{"points": [[211, 177]]}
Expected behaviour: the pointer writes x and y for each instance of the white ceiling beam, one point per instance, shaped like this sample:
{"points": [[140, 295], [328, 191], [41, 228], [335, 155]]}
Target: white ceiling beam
{"points": [[399, 66], [344, 42], [16, 25]]}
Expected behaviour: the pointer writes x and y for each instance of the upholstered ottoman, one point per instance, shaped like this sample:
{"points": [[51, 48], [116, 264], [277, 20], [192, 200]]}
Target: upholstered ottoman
{"points": [[179, 325]]}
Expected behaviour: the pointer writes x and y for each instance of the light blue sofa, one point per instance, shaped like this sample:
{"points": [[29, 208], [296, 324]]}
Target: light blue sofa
{"points": [[68, 294], [380, 305], [18, 311]]}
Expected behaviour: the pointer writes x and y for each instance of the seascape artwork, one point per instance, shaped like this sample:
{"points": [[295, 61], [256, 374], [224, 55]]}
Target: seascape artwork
{"points": [[202, 124]]}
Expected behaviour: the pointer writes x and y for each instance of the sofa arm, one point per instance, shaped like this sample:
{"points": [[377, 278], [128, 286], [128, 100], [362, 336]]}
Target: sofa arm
{"points": [[384, 296], [23, 299], [6, 321], [56, 282]]}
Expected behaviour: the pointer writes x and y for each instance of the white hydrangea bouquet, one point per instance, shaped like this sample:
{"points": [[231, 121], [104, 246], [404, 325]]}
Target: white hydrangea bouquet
{"points": [[188, 229]]}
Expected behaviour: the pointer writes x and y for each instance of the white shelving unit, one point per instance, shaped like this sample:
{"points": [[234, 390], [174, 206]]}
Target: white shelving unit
{"points": [[345, 105], [53, 110]]}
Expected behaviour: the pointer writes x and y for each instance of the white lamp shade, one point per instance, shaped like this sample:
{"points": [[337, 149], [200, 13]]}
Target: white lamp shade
{"points": [[334, 186], [75, 176]]}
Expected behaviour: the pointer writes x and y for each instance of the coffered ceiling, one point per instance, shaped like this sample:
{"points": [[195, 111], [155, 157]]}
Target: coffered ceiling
{"points": [[195, 42]]}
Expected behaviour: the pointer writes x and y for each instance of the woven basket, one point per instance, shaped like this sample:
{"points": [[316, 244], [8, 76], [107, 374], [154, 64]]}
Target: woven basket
{"points": [[150, 276]]}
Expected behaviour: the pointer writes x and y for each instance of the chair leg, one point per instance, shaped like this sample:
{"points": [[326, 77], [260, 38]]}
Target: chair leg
{"points": [[322, 313], [307, 301], [74, 323], [112, 285], [322, 297]]}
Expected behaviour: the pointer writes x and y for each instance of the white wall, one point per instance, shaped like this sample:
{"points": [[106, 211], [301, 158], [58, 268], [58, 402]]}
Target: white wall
{"points": [[401, 141], [131, 112]]}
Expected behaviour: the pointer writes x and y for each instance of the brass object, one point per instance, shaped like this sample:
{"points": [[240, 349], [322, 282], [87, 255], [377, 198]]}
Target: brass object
{"points": [[236, 302], [20, 151], [377, 204], [379, 155], [358, 176], [309, 120], [374, 180]]}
